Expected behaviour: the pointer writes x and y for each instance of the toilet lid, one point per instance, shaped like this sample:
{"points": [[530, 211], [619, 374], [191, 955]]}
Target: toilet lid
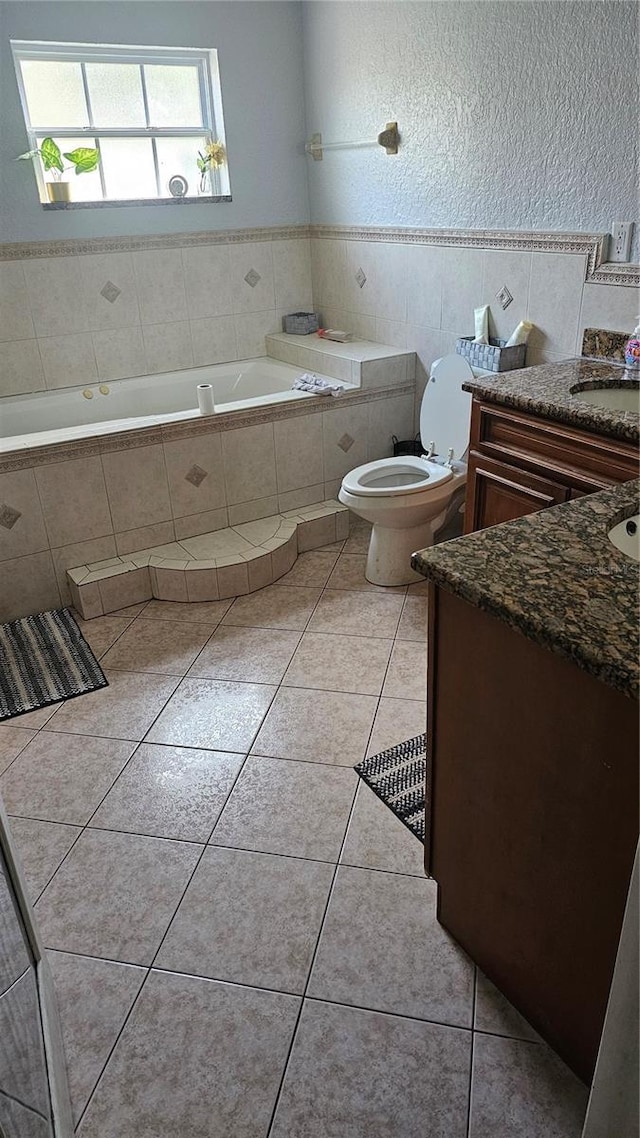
{"points": [[445, 413], [391, 477]]}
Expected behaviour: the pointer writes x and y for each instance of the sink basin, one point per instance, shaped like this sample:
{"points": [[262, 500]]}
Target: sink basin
{"points": [[626, 537], [625, 397]]}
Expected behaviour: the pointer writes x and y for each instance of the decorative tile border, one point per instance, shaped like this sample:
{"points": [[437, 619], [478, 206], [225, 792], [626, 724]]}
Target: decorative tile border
{"points": [[591, 245], [165, 432]]}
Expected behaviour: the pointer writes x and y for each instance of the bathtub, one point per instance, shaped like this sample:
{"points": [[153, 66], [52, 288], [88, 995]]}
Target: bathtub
{"points": [[105, 408]]}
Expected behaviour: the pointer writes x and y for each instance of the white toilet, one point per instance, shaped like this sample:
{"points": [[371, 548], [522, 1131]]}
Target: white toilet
{"points": [[408, 499]]}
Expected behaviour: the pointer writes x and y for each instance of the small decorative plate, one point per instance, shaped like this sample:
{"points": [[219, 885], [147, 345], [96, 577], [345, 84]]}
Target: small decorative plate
{"points": [[178, 186]]}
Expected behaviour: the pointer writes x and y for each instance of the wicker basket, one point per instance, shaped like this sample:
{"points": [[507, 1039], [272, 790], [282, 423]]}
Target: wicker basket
{"points": [[494, 356], [300, 323]]}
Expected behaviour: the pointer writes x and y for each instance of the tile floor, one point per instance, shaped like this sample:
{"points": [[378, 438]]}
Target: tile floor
{"points": [[242, 938]]}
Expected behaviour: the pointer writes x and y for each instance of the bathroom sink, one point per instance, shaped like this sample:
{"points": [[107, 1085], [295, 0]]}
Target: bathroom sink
{"points": [[626, 537], [623, 397]]}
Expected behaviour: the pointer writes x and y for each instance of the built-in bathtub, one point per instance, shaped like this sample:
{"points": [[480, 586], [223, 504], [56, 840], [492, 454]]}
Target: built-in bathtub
{"points": [[84, 480], [50, 417]]}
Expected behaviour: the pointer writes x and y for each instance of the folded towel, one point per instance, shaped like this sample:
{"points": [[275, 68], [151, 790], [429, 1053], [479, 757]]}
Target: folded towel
{"points": [[315, 384]]}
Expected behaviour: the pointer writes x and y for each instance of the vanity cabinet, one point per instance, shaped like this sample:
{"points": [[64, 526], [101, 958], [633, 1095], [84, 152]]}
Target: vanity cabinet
{"points": [[520, 463]]}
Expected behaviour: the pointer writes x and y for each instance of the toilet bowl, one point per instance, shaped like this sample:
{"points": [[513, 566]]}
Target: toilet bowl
{"points": [[408, 499]]}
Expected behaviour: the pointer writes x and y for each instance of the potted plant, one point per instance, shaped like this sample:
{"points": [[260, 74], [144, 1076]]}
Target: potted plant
{"points": [[213, 157], [84, 160]]}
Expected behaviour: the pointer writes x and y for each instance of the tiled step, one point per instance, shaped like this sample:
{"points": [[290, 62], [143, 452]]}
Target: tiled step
{"points": [[226, 563]]}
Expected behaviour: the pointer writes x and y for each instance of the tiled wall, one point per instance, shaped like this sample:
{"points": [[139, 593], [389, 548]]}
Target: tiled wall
{"points": [[71, 320], [92, 507], [422, 296]]}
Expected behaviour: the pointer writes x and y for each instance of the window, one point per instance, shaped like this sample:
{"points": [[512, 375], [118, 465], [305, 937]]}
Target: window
{"points": [[149, 111]]}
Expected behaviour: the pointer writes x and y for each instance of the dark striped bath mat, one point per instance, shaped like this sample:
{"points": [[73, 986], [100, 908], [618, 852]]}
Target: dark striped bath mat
{"points": [[398, 777], [43, 659]]}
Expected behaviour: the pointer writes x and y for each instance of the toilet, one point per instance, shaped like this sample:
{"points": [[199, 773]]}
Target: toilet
{"points": [[408, 499]]}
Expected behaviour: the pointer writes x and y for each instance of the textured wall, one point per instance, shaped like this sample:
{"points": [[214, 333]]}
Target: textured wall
{"points": [[513, 115], [260, 58]]}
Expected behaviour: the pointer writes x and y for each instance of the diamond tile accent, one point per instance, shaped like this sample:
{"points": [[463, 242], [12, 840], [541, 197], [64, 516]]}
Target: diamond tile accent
{"points": [[196, 475], [252, 278], [504, 296], [361, 277], [110, 292], [345, 443], [8, 516]]}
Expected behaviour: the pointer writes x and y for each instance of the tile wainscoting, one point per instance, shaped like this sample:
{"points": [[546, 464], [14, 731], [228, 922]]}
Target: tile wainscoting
{"points": [[100, 498]]}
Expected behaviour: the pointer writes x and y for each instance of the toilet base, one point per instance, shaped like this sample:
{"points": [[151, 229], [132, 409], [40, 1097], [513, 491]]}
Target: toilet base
{"points": [[389, 556]]}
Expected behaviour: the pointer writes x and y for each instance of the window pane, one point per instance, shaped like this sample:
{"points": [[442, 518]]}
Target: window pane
{"points": [[115, 91], [173, 94], [55, 95], [179, 156], [84, 187], [128, 168]]}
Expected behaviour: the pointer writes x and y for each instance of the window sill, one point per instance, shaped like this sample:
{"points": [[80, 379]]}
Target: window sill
{"points": [[200, 200]]}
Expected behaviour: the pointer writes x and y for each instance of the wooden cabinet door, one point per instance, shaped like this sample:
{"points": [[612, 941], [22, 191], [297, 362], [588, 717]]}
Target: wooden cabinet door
{"points": [[497, 492]]}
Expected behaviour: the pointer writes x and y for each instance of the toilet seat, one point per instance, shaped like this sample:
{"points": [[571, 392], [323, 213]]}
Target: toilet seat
{"points": [[395, 477]]}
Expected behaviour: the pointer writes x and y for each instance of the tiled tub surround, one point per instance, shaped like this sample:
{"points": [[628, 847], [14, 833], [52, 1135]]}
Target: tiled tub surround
{"points": [[419, 292], [94, 499], [222, 901], [227, 563], [151, 305]]}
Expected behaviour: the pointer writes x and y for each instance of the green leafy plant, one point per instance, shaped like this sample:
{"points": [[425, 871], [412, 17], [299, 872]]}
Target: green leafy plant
{"points": [[84, 159]]}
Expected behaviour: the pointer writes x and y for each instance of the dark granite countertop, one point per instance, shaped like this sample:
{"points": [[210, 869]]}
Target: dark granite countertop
{"points": [[545, 391], [555, 577]]}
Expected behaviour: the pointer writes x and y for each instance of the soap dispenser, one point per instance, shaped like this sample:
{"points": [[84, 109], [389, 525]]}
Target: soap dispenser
{"points": [[632, 348]]}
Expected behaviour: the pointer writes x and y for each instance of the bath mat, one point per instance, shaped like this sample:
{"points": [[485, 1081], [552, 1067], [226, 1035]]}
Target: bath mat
{"points": [[43, 659], [398, 777]]}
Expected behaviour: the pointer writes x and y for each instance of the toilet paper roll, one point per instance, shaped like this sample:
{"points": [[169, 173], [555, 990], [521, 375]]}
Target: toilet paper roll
{"points": [[205, 399]]}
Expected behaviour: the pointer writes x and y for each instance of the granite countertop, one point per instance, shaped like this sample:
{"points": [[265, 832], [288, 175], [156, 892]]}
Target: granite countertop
{"points": [[544, 390], [555, 577]]}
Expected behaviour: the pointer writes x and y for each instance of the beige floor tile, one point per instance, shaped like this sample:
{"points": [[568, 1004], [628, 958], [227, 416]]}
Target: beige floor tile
{"points": [[283, 807], [260, 655], [339, 663], [274, 607], [349, 574], [194, 1051], [522, 1089], [18, 1119], [396, 721], [115, 895], [376, 839], [13, 740], [311, 569], [350, 613], [418, 589], [362, 1074], [413, 622], [496, 1016], [103, 631], [62, 778], [196, 612], [251, 918], [94, 998], [166, 647], [332, 547], [321, 727], [407, 674], [359, 537], [124, 710], [375, 918], [169, 792], [214, 714], [34, 720], [41, 848]]}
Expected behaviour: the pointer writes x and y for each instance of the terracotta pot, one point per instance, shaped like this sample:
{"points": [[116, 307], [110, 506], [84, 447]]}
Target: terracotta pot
{"points": [[59, 191]]}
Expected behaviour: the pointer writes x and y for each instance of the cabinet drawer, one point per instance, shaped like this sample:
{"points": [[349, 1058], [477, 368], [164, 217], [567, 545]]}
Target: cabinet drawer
{"points": [[498, 492], [575, 457]]}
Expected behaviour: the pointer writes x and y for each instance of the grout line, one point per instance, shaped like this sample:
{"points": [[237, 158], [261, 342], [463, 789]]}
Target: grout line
{"points": [[473, 1036]]}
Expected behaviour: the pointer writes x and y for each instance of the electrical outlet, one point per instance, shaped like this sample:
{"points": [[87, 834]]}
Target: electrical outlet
{"points": [[620, 241]]}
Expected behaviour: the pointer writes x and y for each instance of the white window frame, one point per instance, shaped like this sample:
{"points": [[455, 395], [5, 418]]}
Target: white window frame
{"points": [[206, 61]]}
